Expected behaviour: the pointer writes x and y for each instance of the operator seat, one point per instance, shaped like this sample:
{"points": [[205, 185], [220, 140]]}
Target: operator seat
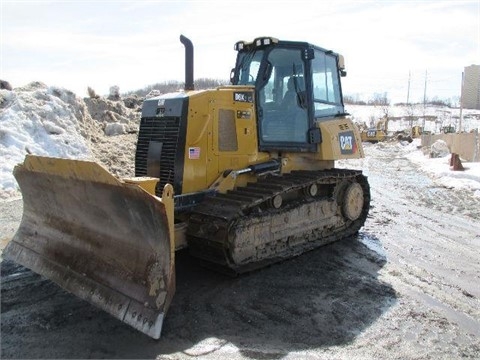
{"points": [[290, 97]]}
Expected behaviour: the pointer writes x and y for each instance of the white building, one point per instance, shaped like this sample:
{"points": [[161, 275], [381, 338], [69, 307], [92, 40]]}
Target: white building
{"points": [[471, 87]]}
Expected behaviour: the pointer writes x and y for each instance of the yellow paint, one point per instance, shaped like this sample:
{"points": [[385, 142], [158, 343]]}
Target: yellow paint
{"points": [[332, 130], [68, 168], [168, 202], [146, 183], [203, 133]]}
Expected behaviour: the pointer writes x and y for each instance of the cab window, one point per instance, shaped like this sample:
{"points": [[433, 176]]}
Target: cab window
{"points": [[283, 97], [327, 99]]}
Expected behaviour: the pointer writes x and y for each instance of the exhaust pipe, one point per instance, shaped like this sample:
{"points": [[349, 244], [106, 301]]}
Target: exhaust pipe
{"points": [[188, 62]]}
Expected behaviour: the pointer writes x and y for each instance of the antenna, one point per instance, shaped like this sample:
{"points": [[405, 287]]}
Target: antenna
{"points": [[408, 91], [424, 99]]}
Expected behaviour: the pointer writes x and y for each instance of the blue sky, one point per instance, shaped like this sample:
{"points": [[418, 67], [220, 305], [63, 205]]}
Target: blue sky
{"points": [[131, 44]]}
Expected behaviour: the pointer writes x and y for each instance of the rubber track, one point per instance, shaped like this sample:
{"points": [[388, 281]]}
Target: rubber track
{"points": [[214, 220]]}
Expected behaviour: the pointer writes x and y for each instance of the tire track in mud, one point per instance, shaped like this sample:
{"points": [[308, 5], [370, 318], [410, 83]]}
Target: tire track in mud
{"points": [[431, 234]]}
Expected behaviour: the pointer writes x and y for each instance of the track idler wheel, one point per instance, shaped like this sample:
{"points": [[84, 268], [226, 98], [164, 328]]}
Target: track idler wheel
{"points": [[311, 190], [275, 202], [353, 201]]}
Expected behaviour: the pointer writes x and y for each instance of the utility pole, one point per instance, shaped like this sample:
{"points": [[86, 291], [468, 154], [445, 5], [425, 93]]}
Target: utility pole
{"points": [[424, 100], [408, 90]]}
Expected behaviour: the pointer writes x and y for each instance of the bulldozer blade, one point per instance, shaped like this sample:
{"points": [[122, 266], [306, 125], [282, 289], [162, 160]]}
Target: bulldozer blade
{"points": [[106, 241]]}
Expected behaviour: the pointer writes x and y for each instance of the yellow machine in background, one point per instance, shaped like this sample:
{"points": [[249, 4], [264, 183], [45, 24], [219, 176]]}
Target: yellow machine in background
{"points": [[376, 134], [417, 131], [244, 175]]}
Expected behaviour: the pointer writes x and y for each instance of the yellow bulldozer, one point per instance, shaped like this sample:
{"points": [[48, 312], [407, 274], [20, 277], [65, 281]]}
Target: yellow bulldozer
{"points": [[377, 133], [244, 175]]}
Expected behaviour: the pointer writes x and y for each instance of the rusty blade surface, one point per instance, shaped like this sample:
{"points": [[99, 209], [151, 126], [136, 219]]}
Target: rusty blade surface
{"points": [[103, 240]]}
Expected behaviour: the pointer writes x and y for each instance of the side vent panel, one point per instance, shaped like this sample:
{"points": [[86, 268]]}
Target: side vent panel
{"points": [[227, 131]]}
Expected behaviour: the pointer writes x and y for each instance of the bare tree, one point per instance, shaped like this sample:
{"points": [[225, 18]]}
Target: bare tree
{"points": [[410, 111], [382, 101]]}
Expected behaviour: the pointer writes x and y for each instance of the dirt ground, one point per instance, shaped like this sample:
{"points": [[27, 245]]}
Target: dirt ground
{"points": [[407, 287]]}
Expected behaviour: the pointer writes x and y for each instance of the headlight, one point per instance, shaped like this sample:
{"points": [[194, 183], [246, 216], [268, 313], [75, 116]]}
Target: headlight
{"points": [[265, 41], [240, 45]]}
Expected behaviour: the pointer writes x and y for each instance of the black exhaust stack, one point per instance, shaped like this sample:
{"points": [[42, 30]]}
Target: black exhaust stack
{"points": [[188, 62]]}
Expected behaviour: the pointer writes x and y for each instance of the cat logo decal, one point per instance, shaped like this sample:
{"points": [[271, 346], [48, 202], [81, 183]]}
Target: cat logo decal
{"points": [[348, 145]]}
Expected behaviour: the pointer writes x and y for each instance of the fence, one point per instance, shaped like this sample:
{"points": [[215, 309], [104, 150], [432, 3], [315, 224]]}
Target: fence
{"points": [[467, 145]]}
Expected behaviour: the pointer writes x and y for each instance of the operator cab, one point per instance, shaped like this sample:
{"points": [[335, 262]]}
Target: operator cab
{"points": [[296, 85]]}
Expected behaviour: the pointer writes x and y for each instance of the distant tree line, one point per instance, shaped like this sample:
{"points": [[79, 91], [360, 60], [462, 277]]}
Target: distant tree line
{"points": [[381, 99], [378, 99], [173, 85], [451, 103]]}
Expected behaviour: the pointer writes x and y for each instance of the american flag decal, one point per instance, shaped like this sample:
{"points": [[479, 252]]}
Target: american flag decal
{"points": [[194, 153]]}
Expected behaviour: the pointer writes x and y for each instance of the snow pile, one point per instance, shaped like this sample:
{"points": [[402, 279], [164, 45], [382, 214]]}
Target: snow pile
{"points": [[51, 121], [113, 114], [39, 120], [439, 149], [439, 169]]}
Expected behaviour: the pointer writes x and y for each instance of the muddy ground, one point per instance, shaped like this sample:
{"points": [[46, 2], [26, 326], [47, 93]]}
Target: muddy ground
{"points": [[407, 287]]}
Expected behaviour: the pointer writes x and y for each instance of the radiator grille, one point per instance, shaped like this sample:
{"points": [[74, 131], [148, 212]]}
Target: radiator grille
{"points": [[164, 130]]}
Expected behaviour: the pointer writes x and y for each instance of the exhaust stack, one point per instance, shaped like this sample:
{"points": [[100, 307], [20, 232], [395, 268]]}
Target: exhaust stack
{"points": [[188, 62]]}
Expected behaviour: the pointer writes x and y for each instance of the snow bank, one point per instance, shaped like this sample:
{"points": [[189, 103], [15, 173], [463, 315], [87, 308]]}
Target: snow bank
{"points": [[439, 169], [51, 121], [39, 120]]}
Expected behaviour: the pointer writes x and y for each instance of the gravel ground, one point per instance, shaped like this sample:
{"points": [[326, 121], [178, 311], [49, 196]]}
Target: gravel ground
{"points": [[405, 288]]}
